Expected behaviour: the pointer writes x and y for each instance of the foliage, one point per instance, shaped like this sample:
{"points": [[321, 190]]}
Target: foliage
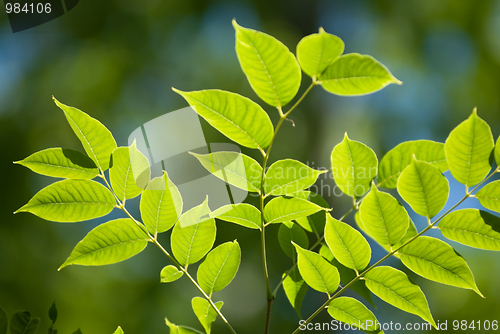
{"points": [[340, 253]]}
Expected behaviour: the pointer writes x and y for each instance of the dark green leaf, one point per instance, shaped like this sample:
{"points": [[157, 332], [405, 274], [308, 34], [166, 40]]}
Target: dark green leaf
{"points": [[289, 232], [4, 321], [23, 323], [53, 312]]}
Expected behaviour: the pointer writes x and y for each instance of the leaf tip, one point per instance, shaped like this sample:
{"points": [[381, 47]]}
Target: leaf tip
{"points": [[177, 91], [235, 24], [321, 30]]}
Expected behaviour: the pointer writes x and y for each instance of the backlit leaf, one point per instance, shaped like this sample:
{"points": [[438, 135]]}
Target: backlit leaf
{"points": [[205, 312], [489, 196], [295, 289], [169, 274], [119, 330], [174, 329], [350, 311], [282, 209], [242, 214], [285, 177]]}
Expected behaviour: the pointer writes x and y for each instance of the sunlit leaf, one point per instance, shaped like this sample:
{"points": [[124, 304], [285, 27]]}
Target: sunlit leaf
{"points": [[174, 329], [282, 209], [242, 214], [497, 152], [289, 232], [295, 289], [169, 274], [109, 243], [119, 330], [205, 312], [350, 311], [468, 150], [315, 223], [271, 69], [285, 177], [489, 196]]}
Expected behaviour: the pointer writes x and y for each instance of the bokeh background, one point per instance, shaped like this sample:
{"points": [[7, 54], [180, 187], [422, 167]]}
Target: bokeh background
{"points": [[117, 60]]}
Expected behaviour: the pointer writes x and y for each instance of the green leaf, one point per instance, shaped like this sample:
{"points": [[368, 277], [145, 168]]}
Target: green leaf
{"points": [[119, 330], [242, 214], [70, 201], [354, 165], [318, 273], [108, 243], [282, 209], [234, 168], [424, 187], [53, 312], [350, 311], [220, 267], [468, 149], [295, 289], [169, 274], [174, 329], [473, 228], [22, 323], [129, 172], [161, 204], [289, 232], [271, 69], [195, 215], [394, 287], [4, 321], [355, 74], [489, 196], [397, 159], [60, 162], [383, 217], [78, 331], [317, 51], [285, 177], [347, 245], [437, 261], [96, 139], [237, 117], [497, 152], [205, 312], [192, 242], [315, 223]]}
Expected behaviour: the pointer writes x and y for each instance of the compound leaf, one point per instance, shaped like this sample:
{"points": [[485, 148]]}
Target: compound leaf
{"points": [[109, 243], [271, 69], [394, 287], [383, 217], [347, 245], [22, 323], [489, 196], [289, 232], [96, 139], [423, 187], [437, 261], [285, 177], [282, 209], [472, 227], [205, 312], [234, 168], [169, 274], [318, 273], [317, 51], [70, 201], [468, 149], [355, 74], [295, 289], [354, 165], [351, 311], [161, 204], [397, 159], [237, 117], [220, 267]]}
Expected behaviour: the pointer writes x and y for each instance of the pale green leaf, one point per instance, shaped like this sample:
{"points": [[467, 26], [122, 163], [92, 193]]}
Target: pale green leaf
{"points": [[473, 228], [318, 273], [397, 159], [383, 217], [497, 152], [96, 139], [234, 168], [237, 117], [468, 149], [325, 252], [437, 261], [242, 214], [354, 165], [61, 162], [394, 287], [355, 74], [129, 172], [109, 243], [271, 69], [192, 242], [161, 204], [424, 187], [282, 209], [289, 232], [315, 223], [295, 289], [285, 177], [70, 201], [205, 312], [174, 329], [489, 196], [220, 267], [347, 245], [350, 311], [119, 330], [195, 215], [169, 274], [22, 323], [317, 51]]}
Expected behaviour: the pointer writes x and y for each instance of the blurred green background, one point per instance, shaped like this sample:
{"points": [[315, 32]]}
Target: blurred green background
{"points": [[117, 60]]}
